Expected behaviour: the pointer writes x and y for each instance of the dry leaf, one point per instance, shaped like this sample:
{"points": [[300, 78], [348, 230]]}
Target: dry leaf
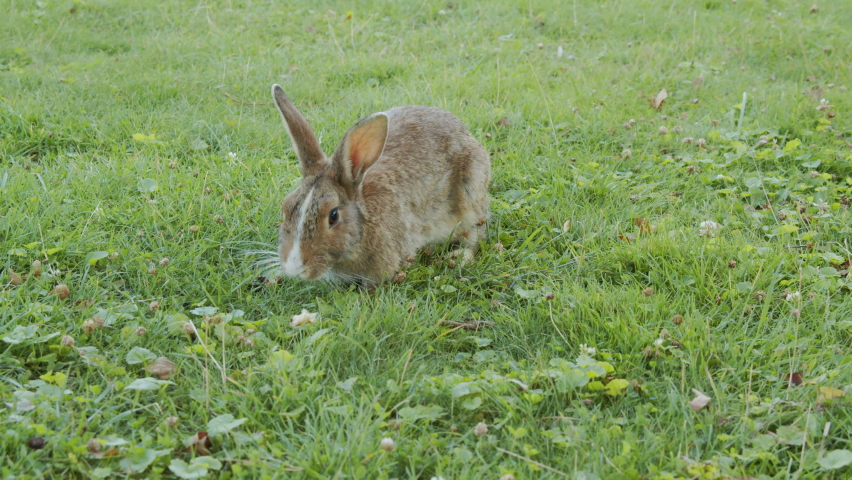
{"points": [[162, 367], [504, 122], [83, 304], [566, 226], [61, 290], [644, 225], [200, 441], [815, 92], [626, 238], [828, 393], [303, 318], [794, 378], [700, 401], [657, 102], [14, 278], [112, 452]]}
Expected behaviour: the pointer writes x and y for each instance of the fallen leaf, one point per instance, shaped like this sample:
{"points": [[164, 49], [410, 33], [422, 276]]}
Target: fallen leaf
{"points": [[111, 452], [828, 393], [200, 441], [36, 443], [815, 92], [566, 226], [162, 367], [303, 318], [700, 401], [626, 238], [83, 304], [61, 290], [36, 268], [794, 378], [14, 278], [504, 122], [657, 102], [644, 225]]}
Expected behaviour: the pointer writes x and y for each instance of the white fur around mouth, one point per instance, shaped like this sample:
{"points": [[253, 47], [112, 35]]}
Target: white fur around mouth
{"points": [[293, 265]]}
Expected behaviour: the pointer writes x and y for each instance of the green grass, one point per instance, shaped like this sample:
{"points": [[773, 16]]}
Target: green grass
{"points": [[78, 80]]}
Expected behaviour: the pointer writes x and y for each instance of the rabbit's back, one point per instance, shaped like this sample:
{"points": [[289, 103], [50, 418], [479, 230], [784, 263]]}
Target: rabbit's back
{"points": [[432, 179]]}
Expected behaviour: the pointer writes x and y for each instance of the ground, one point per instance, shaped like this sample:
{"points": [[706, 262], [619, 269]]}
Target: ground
{"points": [[670, 211]]}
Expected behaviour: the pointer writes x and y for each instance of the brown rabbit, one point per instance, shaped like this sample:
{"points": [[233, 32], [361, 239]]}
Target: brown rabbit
{"points": [[399, 180]]}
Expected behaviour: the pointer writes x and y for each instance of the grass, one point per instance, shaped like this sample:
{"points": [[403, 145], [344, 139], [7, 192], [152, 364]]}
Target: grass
{"points": [[133, 132]]}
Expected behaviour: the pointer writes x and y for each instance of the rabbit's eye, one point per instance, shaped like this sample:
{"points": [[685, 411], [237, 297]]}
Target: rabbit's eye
{"points": [[333, 217]]}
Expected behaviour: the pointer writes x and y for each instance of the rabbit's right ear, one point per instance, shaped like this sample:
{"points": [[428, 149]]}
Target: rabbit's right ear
{"points": [[311, 158]]}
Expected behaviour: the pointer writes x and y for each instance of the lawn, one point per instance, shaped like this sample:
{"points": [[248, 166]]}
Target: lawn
{"points": [[669, 222]]}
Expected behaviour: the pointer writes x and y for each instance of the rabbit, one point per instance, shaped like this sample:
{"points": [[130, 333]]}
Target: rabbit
{"points": [[398, 180]]}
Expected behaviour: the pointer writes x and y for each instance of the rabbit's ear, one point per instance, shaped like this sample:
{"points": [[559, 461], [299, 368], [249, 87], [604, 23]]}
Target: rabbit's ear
{"points": [[311, 158], [360, 148]]}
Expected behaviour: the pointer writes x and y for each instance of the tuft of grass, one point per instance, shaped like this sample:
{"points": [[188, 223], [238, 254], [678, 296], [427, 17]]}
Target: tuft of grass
{"points": [[141, 165]]}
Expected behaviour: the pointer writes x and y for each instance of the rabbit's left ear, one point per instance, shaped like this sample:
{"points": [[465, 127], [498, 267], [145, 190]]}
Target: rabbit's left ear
{"points": [[362, 145]]}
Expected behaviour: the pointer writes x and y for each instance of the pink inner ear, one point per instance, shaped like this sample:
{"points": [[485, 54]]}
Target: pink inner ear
{"points": [[365, 145]]}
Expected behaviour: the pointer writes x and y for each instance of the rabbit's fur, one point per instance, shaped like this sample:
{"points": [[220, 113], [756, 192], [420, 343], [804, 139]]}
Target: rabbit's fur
{"points": [[399, 180]]}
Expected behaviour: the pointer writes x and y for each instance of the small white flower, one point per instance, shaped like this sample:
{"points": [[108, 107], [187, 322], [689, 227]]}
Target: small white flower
{"points": [[709, 228], [822, 207], [232, 156], [791, 297], [387, 444], [658, 342], [481, 429], [303, 318], [590, 351]]}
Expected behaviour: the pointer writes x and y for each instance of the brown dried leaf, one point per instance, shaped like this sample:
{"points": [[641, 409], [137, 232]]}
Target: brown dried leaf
{"points": [[626, 238], [700, 401], [200, 441], [112, 452], [504, 122], [14, 278], [162, 367], [644, 225], [816, 92], [83, 304], [657, 102], [36, 268], [61, 291], [794, 378]]}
